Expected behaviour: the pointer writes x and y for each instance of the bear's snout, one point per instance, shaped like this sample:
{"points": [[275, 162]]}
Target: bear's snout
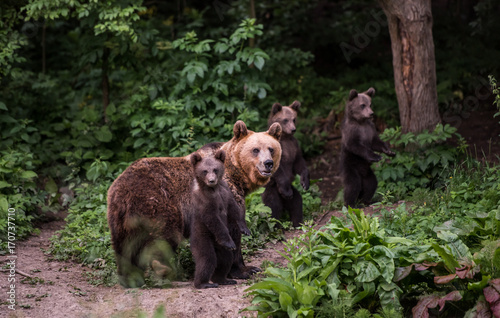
{"points": [[269, 164], [212, 180]]}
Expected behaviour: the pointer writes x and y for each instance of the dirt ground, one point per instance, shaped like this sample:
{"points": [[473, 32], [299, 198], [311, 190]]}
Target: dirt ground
{"points": [[60, 289]]}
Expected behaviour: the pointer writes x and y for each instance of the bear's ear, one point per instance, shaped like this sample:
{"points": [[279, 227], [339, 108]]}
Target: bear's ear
{"points": [[240, 129], [370, 92], [276, 108], [353, 94], [295, 105], [195, 158], [275, 131], [220, 155]]}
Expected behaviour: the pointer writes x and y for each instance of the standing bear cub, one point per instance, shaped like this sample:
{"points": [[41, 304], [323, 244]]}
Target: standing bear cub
{"points": [[280, 194], [211, 243], [360, 141]]}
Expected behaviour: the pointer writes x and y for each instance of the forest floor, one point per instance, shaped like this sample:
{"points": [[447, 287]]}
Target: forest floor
{"points": [[62, 289]]}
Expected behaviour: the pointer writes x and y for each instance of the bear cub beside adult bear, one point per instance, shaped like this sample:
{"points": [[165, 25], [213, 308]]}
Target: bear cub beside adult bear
{"points": [[280, 194], [211, 242], [360, 141]]}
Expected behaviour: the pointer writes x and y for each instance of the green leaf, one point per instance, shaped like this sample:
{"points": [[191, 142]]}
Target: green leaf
{"points": [[28, 175], [307, 271], [259, 62], [367, 272], [449, 261], [285, 301], [262, 93], [368, 289], [4, 204], [4, 184], [139, 142], [276, 284], [3, 106], [103, 134], [479, 286], [51, 186], [389, 295], [306, 294]]}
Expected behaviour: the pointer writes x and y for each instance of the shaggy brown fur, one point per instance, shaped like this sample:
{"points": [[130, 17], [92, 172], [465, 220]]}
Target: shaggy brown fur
{"points": [[149, 203], [280, 194], [359, 141]]}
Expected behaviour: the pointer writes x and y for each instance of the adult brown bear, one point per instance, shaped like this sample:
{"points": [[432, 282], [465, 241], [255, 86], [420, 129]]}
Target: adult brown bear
{"points": [[149, 203]]}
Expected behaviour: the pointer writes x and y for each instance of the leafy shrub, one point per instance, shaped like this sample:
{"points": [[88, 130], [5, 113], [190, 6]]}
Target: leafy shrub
{"points": [[324, 264], [420, 160], [337, 270], [18, 187], [86, 237], [454, 278], [263, 227], [496, 92]]}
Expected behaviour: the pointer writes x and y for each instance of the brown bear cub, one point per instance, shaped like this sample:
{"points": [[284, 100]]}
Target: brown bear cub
{"points": [[360, 141], [211, 243], [280, 194]]}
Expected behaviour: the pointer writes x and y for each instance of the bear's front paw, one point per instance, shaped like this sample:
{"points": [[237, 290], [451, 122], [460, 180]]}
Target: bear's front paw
{"points": [[252, 270], [390, 153], [375, 158], [244, 229], [304, 183], [229, 245]]}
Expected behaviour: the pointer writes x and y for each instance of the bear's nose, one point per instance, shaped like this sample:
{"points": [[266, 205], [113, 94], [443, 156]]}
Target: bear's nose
{"points": [[212, 181], [294, 130], [268, 164]]}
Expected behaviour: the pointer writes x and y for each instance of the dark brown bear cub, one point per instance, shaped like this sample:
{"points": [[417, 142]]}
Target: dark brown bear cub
{"points": [[360, 141], [280, 194], [211, 243]]}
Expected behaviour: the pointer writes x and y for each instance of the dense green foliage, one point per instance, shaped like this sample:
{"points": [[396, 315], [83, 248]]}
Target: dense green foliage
{"points": [[420, 162], [336, 264], [445, 246]]}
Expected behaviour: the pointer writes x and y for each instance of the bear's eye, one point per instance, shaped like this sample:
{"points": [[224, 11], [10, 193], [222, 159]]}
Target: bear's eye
{"points": [[271, 150], [285, 121], [255, 151], [216, 171], [363, 106], [205, 172], [294, 120]]}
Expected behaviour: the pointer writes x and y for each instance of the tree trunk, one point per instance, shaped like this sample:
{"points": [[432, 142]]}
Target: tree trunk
{"points": [[410, 27], [251, 41], [105, 82]]}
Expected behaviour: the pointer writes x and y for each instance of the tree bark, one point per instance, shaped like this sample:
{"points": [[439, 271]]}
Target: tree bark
{"points": [[105, 82], [410, 28], [251, 42]]}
